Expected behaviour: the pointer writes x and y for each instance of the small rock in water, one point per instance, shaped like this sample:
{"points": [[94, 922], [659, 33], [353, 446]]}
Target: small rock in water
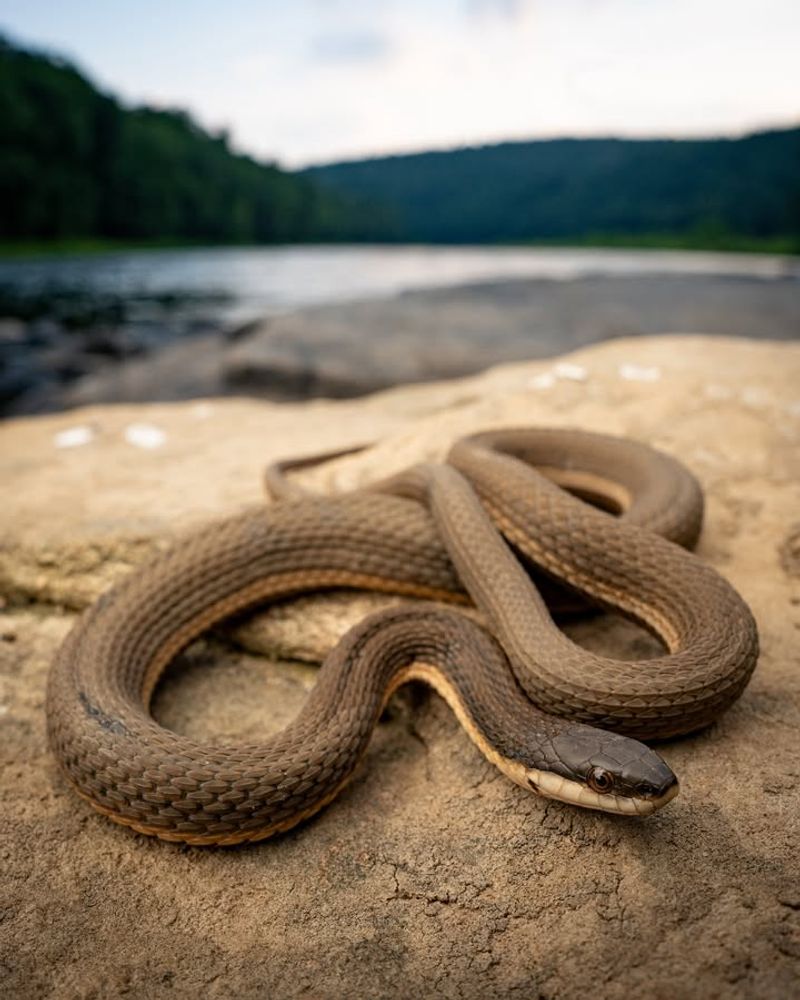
{"points": [[12, 331], [639, 373], [73, 437], [145, 436], [45, 332], [569, 370]]}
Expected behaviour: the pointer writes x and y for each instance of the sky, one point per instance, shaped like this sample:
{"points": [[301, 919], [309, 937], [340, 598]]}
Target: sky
{"points": [[312, 81]]}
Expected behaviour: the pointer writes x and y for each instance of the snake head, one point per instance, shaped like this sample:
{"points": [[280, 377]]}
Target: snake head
{"points": [[601, 770]]}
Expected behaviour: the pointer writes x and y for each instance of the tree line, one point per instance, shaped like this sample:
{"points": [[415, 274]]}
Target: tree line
{"points": [[77, 164], [708, 192]]}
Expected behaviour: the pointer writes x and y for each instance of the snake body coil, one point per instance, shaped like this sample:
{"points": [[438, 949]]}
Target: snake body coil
{"points": [[528, 697]]}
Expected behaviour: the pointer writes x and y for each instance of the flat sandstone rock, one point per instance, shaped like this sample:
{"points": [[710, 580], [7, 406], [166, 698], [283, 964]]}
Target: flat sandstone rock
{"points": [[431, 874]]}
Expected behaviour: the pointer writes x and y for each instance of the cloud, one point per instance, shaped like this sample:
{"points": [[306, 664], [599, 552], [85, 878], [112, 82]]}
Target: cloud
{"points": [[509, 10], [318, 80], [350, 47]]}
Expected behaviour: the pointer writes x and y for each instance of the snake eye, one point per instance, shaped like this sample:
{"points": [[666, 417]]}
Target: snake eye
{"points": [[599, 780]]}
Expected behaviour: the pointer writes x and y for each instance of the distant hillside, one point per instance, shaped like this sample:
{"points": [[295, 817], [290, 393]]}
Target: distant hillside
{"points": [[710, 192], [74, 164]]}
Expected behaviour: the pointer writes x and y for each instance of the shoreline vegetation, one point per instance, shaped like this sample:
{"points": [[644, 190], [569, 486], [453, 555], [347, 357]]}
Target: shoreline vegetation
{"points": [[780, 245], [83, 173]]}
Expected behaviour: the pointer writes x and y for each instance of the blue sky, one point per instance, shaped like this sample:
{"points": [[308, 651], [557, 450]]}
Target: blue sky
{"points": [[305, 81]]}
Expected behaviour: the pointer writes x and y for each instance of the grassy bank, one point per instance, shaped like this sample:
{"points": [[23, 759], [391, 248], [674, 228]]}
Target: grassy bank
{"points": [[787, 245], [728, 243], [10, 250]]}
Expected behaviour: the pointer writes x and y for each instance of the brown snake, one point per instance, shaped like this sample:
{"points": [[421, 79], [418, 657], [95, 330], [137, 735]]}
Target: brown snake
{"points": [[554, 717]]}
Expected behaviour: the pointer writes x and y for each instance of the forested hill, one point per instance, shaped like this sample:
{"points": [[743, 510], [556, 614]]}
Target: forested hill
{"points": [[723, 192], [76, 164]]}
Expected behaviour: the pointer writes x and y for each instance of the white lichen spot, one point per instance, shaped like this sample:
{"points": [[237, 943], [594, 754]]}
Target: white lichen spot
{"points": [[571, 371], [639, 373], [145, 436], [544, 380], [73, 437], [202, 410]]}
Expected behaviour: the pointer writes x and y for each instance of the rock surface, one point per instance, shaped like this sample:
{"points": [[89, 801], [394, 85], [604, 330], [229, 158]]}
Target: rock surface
{"points": [[431, 874], [348, 349], [450, 332], [53, 337]]}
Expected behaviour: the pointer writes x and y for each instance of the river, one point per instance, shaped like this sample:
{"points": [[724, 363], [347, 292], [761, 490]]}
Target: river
{"points": [[236, 284], [74, 328]]}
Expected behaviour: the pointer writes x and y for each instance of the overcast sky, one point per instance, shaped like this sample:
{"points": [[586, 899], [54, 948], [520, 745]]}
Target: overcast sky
{"points": [[306, 81]]}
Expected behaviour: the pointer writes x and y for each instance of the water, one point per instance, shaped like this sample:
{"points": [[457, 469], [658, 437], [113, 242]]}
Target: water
{"points": [[84, 318], [234, 285]]}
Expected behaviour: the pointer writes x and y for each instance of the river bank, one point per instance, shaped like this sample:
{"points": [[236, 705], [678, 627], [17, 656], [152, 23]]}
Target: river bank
{"points": [[99, 348]]}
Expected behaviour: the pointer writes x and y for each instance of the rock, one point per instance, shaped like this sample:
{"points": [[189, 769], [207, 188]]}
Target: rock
{"points": [[34, 357], [66, 362], [12, 331], [284, 369], [431, 874], [181, 370], [354, 348], [114, 342], [19, 368], [18, 372], [44, 332]]}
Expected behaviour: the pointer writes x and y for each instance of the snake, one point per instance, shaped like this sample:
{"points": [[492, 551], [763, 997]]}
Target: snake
{"points": [[511, 523]]}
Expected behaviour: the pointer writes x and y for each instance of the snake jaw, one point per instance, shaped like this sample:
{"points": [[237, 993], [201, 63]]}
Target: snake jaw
{"points": [[665, 795], [554, 786]]}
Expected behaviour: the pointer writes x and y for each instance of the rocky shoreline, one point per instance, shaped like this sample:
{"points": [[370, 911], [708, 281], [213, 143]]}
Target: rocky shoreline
{"points": [[51, 341], [171, 349]]}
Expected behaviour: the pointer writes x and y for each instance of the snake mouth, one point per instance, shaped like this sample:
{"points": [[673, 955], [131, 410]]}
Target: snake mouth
{"points": [[553, 786]]}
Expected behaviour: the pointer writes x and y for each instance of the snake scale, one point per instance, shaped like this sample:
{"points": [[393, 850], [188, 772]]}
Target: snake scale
{"points": [[508, 513]]}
